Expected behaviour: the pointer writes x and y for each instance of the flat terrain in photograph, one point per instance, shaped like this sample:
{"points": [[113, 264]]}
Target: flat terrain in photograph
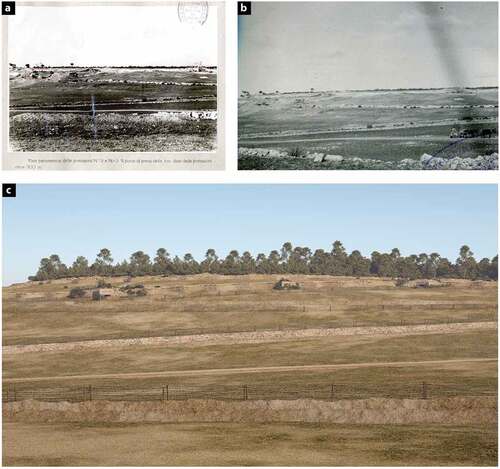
{"points": [[235, 339], [387, 125], [113, 109]]}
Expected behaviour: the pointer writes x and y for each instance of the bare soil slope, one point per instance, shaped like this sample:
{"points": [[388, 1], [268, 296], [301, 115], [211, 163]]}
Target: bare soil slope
{"points": [[459, 410]]}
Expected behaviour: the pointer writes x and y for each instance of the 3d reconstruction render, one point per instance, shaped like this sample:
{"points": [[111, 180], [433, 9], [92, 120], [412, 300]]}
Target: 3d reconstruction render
{"points": [[190, 325], [378, 85]]}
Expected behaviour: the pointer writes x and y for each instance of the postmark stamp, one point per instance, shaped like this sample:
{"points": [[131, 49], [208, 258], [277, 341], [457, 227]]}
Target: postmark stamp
{"points": [[193, 12]]}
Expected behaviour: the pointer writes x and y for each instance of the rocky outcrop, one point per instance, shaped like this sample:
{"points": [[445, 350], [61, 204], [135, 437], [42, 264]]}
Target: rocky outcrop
{"points": [[481, 162], [426, 162], [263, 153]]}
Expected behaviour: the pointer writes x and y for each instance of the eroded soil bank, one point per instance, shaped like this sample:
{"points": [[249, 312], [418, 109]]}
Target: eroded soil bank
{"points": [[453, 410]]}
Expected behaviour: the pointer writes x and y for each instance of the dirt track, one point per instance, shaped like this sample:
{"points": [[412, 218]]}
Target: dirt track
{"points": [[433, 138], [230, 371], [251, 337], [104, 111]]}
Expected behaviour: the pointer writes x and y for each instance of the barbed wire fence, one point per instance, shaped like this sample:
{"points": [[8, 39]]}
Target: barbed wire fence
{"points": [[244, 392]]}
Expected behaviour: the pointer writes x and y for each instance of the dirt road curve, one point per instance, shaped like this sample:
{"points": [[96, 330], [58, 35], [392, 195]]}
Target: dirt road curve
{"points": [[251, 337], [261, 369], [423, 138], [100, 111]]}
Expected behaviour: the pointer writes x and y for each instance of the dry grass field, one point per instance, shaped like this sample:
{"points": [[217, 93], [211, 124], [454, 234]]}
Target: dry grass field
{"points": [[35, 313], [247, 445], [388, 126], [221, 334]]}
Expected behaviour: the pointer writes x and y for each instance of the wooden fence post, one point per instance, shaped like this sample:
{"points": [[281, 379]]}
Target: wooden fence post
{"points": [[90, 392], [332, 392], [163, 393], [245, 392], [166, 392], [424, 390]]}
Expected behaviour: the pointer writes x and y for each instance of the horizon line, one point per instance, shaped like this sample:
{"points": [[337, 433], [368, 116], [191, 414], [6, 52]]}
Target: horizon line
{"points": [[374, 89], [115, 66]]}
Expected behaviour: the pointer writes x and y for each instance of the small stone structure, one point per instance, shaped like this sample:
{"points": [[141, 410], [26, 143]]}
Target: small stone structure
{"points": [[285, 284], [420, 283], [102, 294]]}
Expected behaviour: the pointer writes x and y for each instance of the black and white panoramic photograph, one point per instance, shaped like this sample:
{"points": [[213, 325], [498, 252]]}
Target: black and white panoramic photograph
{"points": [[368, 85], [113, 77]]}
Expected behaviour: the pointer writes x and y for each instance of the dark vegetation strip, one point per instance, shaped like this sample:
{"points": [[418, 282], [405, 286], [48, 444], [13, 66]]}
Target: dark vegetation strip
{"points": [[288, 260]]}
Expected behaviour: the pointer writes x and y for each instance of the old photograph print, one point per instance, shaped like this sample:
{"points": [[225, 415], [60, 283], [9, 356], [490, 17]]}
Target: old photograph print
{"points": [[113, 78], [378, 85]]}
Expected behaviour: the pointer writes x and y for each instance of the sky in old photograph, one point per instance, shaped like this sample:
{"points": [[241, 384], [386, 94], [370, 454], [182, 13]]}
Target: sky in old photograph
{"points": [[74, 220], [110, 35], [295, 46]]}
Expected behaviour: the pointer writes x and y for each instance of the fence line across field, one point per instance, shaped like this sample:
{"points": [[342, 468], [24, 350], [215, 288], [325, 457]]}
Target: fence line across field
{"points": [[242, 392]]}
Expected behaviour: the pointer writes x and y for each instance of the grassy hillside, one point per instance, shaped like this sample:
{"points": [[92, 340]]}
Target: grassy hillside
{"points": [[41, 312], [392, 361], [36, 312]]}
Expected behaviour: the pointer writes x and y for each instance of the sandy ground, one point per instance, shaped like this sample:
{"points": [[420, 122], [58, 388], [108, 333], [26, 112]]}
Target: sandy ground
{"points": [[252, 337], [263, 369], [247, 445]]}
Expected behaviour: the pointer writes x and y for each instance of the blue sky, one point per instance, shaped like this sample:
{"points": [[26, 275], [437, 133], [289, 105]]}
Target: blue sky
{"points": [[72, 220]]}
